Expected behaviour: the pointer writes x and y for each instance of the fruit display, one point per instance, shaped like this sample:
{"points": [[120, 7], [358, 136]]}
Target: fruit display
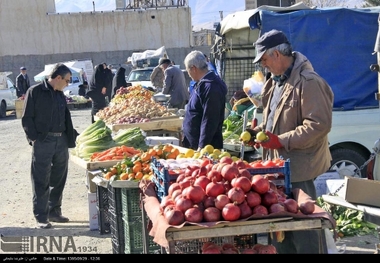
{"points": [[208, 151], [133, 104], [225, 191], [134, 163]]}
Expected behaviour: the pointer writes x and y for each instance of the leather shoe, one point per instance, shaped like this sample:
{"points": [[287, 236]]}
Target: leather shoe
{"points": [[44, 225], [58, 218]]}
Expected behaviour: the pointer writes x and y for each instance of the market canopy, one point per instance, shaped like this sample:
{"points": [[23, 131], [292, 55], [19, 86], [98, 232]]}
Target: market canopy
{"points": [[75, 72]]}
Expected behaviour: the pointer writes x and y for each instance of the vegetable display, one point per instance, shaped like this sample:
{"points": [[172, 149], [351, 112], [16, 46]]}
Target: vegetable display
{"points": [[132, 105], [95, 138], [349, 222], [98, 137]]}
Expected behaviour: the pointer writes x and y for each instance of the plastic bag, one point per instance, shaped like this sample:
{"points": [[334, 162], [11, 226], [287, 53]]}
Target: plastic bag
{"points": [[253, 86]]}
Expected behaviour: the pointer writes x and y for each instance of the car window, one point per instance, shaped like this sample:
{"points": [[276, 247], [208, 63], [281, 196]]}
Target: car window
{"points": [[10, 83], [140, 75]]}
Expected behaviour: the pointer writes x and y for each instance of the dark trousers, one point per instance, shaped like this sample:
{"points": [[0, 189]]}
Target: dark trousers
{"points": [[49, 170], [304, 241]]}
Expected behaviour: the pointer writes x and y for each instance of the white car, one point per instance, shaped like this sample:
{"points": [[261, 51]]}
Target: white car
{"points": [[73, 87], [8, 94], [141, 76]]}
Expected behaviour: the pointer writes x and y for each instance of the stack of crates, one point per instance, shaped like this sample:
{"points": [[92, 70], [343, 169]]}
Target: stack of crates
{"points": [[134, 232], [162, 178], [116, 222], [126, 225], [103, 210]]}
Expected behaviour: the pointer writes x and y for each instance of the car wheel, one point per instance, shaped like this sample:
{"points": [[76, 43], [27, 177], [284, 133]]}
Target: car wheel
{"points": [[3, 110], [347, 162]]}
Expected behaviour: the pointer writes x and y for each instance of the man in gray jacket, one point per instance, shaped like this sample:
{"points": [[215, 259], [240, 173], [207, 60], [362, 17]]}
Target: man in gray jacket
{"points": [[297, 118], [174, 84]]}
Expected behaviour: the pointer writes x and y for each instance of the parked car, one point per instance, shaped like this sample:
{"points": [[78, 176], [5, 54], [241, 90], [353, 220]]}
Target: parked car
{"points": [[73, 87], [140, 76], [8, 94]]}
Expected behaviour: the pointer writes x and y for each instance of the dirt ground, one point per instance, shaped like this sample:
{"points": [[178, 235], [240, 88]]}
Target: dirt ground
{"points": [[16, 219]]}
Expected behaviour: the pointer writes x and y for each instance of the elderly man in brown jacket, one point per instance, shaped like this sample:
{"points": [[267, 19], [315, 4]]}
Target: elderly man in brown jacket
{"points": [[297, 118]]}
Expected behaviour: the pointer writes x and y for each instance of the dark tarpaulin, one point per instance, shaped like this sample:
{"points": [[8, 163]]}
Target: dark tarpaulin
{"points": [[339, 43]]}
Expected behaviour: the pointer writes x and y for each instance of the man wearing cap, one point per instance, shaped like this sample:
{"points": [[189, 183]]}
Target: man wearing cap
{"points": [[174, 84], [297, 117], [22, 82]]}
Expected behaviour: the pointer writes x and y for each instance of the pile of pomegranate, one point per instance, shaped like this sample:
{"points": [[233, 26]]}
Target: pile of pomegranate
{"points": [[225, 191], [213, 248]]}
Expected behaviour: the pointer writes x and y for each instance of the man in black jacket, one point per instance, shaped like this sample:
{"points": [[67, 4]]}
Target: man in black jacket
{"points": [[22, 82], [47, 123]]}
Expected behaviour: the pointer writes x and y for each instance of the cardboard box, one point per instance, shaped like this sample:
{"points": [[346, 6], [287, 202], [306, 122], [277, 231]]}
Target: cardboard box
{"points": [[335, 186], [93, 211], [155, 140], [91, 186], [362, 191]]}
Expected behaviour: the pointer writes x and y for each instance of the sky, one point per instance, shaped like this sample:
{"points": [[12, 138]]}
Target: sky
{"points": [[204, 13]]}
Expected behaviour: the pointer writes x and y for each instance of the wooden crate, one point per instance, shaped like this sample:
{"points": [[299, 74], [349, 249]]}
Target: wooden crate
{"points": [[19, 105]]}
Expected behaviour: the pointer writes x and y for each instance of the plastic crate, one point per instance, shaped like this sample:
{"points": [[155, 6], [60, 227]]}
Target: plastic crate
{"points": [[133, 225], [134, 239], [281, 175], [194, 246], [103, 210], [162, 178], [116, 222]]}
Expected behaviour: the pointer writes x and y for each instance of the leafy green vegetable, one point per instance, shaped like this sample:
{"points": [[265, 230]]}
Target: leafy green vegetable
{"points": [[349, 222]]}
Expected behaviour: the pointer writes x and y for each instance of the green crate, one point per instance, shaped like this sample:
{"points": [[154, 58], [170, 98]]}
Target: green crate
{"points": [[133, 236], [132, 223], [130, 202]]}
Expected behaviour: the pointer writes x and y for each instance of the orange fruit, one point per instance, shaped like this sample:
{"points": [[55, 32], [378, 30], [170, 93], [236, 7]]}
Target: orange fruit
{"points": [[139, 175], [175, 151], [123, 176], [152, 152], [167, 148]]}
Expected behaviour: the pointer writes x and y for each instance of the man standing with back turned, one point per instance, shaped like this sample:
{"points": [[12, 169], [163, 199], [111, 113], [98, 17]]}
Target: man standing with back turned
{"points": [[22, 82], [297, 118], [49, 130]]}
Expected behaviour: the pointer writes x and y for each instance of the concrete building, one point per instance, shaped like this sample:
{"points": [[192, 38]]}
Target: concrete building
{"points": [[33, 34]]}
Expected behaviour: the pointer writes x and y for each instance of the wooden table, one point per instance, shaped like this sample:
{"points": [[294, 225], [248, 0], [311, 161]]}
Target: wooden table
{"points": [[249, 227]]}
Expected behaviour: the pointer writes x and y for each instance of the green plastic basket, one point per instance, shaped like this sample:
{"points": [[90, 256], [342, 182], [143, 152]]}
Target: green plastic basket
{"points": [[132, 223]]}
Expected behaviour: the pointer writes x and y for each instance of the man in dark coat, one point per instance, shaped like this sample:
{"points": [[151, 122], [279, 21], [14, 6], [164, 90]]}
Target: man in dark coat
{"points": [[47, 123], [204, 116], [22, 82]]}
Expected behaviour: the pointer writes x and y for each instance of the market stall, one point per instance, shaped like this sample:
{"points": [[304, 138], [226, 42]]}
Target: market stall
{"points": [[172, 237]]}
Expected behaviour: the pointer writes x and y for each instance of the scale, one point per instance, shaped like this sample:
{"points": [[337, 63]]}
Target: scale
{"points": [[162, 99]]}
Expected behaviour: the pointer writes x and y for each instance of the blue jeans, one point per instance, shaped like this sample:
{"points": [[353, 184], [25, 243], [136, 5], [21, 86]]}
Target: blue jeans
{"points": [[49, 170]]}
